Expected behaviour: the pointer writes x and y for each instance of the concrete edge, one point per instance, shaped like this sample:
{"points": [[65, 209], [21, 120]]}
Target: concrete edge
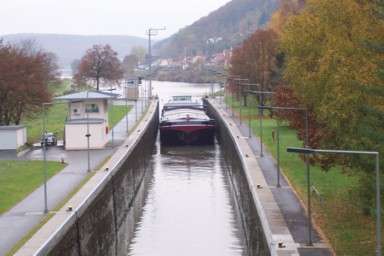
{"points": [[269, 212], [11, 127], [51, 232]]}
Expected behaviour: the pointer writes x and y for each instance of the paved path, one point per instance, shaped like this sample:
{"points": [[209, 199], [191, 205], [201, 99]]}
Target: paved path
{"points": [[288, 202], [28, 213]]}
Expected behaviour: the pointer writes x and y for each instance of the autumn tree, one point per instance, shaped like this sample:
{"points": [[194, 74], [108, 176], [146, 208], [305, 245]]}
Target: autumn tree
{"points": [[25, 72], [256, 59], [99, 64], [286, 9], [333, 69]]}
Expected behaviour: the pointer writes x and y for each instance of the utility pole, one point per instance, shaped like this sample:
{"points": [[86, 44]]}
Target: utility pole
{"points": [[44, 138], [88, 135], [151, 32]]}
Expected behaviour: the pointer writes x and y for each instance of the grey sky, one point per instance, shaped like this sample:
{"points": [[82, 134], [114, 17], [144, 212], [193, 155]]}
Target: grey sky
{"points": [[89, 17]]}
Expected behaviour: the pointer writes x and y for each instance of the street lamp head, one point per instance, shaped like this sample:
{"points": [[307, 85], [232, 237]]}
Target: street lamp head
{"points": [[153, 31], [300, 150], [264, 107]]}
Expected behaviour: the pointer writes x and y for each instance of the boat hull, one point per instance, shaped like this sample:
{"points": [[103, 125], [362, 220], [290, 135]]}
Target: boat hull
{"points": [[187, 134]]}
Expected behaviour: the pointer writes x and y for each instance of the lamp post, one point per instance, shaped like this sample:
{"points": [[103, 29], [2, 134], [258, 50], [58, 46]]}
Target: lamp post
{"points": [[250, 109], [306, 142], [221, 75], [307, 151], [142, 107], [112, 130], [225, 95], [151, 32], [88, 136], [45, 155], [261, 94], [239, 80], [126, 108], [229, 78], [136, 109]]}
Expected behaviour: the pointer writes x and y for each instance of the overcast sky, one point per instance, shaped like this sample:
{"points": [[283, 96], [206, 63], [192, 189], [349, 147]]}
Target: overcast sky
{"points": [[112, 17]]}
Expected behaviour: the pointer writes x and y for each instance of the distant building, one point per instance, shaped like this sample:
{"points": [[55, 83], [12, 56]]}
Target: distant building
{"points": [[227, 57], [87, 109], [199, 59], [165, 62], [12, 137], [219, 59]]}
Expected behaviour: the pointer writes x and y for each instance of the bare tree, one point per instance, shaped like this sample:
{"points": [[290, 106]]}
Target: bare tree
{"points": [[140, 52], [130, 62], [100, 64]]}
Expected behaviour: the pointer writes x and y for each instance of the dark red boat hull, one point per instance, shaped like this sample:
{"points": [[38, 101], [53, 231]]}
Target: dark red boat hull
{"points": [[187, 134]]}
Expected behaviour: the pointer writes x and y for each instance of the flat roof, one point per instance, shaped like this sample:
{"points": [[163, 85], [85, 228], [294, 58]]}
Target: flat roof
{"points": [[88, 95], [85, 121], [11, 127]]}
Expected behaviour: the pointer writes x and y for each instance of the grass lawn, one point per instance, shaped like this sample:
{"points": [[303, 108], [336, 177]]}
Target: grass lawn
{"points": [[116, 113], [56, 114], [20, 178], [60, 87], [55, 119], [338, 213]]}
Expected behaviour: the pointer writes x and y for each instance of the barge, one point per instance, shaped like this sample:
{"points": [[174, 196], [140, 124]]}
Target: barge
{"points": [[185, 122]]}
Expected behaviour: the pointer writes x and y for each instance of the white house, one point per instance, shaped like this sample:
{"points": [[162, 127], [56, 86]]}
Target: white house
{"points": [[87, 111], [12, 137]]}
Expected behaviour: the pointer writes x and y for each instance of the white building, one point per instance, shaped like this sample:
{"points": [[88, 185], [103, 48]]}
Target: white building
{"points": [[87, 111], [12, 137]]}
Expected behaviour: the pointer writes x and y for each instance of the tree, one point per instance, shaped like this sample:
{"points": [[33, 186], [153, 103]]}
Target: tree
{"points": [[75, 65], [334, 70], [286, 9], [140, 52], [99, 64], [130, 62], [25, 72], [256, 58], [285, 97]]}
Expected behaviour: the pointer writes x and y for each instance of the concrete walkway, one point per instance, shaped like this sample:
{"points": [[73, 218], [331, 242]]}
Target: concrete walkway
{"points": [[28, 213], [288, 202]]}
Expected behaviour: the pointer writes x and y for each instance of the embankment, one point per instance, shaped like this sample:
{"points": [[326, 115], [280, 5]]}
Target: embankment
{"points": [[94, 221]]}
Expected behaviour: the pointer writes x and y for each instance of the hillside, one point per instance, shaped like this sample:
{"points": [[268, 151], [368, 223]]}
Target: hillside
{"points": [[71, 47], [223, 28]]}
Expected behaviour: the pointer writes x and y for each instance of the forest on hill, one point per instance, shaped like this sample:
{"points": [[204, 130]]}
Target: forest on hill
{"points": [[222, 29]]}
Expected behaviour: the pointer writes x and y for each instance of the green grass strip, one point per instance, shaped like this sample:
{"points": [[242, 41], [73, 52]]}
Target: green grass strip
{"points": [[338, 210], [19, 178]]}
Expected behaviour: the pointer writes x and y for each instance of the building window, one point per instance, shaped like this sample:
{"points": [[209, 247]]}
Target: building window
{"points": [[91, 108]]}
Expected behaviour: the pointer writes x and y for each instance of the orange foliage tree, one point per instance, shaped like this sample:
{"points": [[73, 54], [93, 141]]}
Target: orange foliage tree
{"points": [[256, 59]]}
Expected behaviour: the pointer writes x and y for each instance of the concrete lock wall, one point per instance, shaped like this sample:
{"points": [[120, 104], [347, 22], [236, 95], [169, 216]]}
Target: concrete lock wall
{"points": [[106, 226], [255, 238]]}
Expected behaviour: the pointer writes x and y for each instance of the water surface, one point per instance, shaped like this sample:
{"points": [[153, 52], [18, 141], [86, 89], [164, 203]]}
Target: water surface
{"points": [[189, 209]]}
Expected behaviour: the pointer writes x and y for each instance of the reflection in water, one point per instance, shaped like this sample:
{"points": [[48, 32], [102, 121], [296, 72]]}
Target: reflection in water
{"points": [[189, 209]]}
